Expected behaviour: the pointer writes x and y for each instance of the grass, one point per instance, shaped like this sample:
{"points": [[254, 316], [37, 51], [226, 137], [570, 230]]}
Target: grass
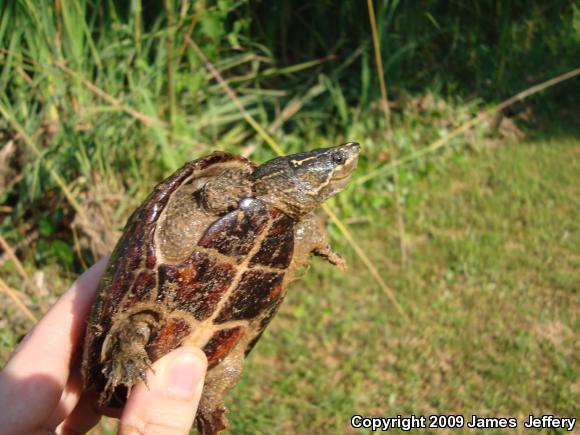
{"points": [[491, 289], [493, 293], [98, 102]]}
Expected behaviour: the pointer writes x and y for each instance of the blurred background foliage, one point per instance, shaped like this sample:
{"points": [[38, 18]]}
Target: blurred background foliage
{"points": [[114, 99], [99, 100]]}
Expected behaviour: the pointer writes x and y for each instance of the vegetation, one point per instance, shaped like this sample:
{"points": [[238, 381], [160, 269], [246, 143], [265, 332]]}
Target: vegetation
{"points": [[492, 295], [101, 100]]}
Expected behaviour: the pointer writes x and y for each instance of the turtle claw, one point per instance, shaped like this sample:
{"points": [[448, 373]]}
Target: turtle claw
{"points": [[332, 257], [126, 369]]}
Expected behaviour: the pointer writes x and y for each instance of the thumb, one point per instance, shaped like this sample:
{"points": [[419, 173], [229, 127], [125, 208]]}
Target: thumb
{"points": [[168, 403]]}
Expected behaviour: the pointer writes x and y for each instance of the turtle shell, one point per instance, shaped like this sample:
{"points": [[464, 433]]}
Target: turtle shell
{"points": [[215, 285]]}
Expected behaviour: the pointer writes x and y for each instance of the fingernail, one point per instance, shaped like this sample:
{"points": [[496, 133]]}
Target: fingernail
{"points": [[184, 376]]}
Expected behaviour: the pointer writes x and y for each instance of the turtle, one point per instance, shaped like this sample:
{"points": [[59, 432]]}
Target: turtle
{"points": [[206, 260]]}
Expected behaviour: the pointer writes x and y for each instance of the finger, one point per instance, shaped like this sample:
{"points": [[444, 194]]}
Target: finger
{"points": [[86, 415], [68, 399], [83, 418], [168, 404], [33, 380]]}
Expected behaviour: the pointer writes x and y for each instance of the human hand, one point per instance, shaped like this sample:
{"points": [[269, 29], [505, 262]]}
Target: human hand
{"points": [[41, 387]]}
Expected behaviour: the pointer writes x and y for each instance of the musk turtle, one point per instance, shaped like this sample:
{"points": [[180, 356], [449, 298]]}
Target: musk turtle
{"points": [[206, 260]]}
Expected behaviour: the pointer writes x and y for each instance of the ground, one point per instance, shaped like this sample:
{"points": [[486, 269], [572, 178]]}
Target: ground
{"points": [[491, 292]]}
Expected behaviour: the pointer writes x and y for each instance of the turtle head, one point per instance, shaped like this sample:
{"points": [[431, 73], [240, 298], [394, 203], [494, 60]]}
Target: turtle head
{"points": [[298, 183]]}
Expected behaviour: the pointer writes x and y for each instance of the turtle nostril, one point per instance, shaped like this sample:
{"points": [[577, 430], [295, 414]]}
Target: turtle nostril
{"points": [[352, 146]]}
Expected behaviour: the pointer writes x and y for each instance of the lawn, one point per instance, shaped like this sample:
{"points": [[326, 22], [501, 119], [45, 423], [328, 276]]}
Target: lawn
{"points": [[491, 291], [101, 101]]}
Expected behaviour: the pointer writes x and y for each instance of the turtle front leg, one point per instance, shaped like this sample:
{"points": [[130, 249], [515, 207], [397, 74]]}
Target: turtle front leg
{"points": [[332, 257], [125, 359], [311, 238]]}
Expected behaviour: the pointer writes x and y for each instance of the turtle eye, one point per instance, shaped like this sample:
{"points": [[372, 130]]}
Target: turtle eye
{"points": [[338, 158]]}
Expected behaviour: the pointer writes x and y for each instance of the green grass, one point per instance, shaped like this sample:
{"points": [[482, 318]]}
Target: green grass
{"points": [[492, 283], [492, 291]]}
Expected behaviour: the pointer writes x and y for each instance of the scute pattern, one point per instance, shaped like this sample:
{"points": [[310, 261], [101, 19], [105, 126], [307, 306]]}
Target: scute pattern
{"points": [[257, 291], [277, 247], [169, 336], [143, 286], [263, 324], [234, 234], [222, 342], [196, 285]]}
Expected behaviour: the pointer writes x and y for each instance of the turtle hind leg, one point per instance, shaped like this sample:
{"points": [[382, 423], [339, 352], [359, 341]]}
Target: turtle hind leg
{"points": [[125, 369], [125, 360], [213, 422], [211, 414]]}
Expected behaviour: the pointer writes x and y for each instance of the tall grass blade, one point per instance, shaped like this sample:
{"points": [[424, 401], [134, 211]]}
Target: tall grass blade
{"points": [[387, 113]]}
